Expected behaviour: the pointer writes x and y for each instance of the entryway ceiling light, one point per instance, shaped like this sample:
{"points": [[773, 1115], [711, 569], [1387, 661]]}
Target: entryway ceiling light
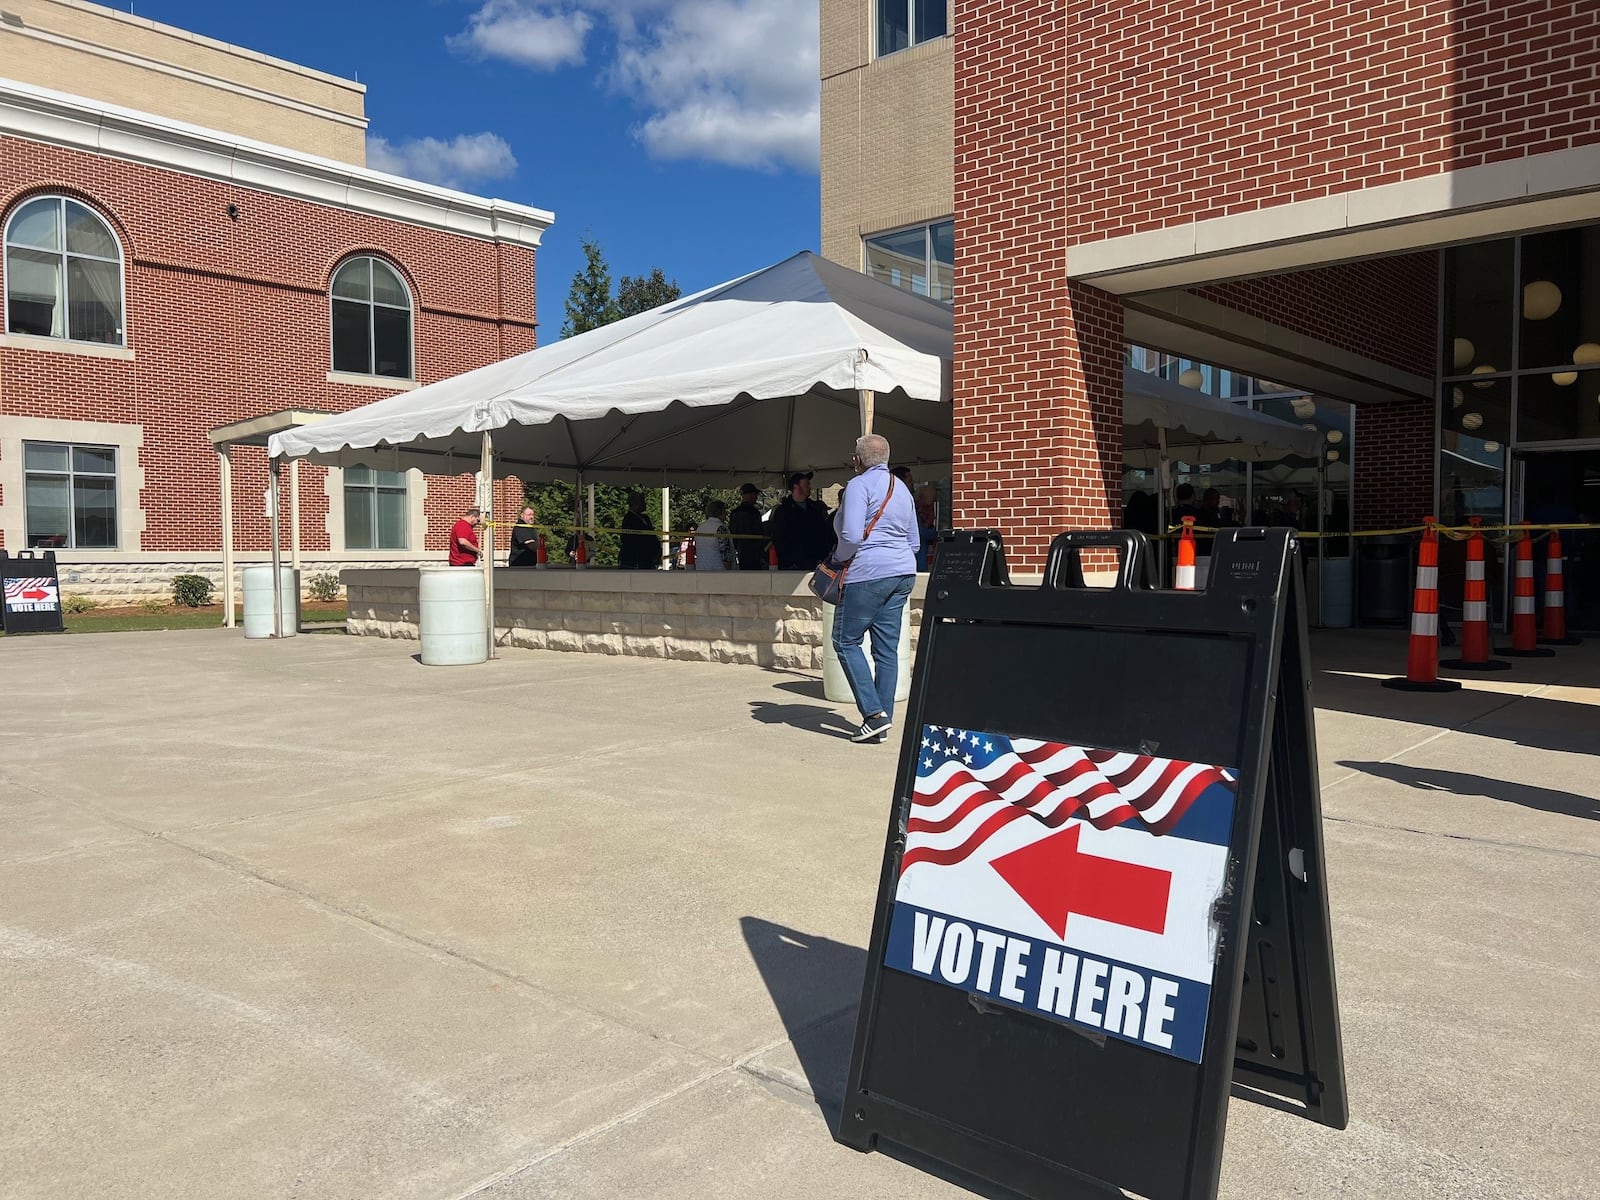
{"points": [[1335, 436], [1471, 420], [1491, 447], [1587, 355], [1304, 406], [1486, 369], [1564, 378], [1192, 378], [1333, 456], [1457, 397], [1540, 300], [1464, 351]]}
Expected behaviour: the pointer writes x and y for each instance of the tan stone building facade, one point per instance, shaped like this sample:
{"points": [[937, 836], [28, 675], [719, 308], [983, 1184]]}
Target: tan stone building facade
{"points": [[96, 52], [888, 134]]}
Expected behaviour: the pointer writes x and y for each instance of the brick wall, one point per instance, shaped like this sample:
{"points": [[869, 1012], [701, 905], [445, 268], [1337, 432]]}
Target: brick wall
{"points": [[1394, 465], [1188, 111], [229, 319], [1038, 362]]}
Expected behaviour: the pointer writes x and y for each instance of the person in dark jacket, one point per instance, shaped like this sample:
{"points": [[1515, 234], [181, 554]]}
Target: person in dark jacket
{"points": [[745, 523], [524, 540], [800, 526], [639, 549]]}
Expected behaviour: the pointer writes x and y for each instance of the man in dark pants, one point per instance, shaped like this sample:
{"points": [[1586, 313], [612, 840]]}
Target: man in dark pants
{"points": [[800, 527], [745, 524], [639, 549]]}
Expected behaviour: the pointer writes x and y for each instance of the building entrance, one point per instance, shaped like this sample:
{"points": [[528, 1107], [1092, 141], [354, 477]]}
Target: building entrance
{"points": [[1558, 487]]}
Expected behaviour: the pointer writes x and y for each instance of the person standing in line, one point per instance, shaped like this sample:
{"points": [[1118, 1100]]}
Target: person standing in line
{"points": [[524, 540], [464, 539], [713, 549], [800, 527], [877, 530], [638, 549], [744, 522]]}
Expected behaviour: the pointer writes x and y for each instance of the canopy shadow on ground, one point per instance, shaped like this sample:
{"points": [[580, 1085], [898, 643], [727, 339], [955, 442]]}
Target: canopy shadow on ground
{"points": [[1459, 783], [815, 984]]}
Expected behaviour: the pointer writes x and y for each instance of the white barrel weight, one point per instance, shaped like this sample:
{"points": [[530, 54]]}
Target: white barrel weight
{"points": [[451, 615], [258, 620], [835, 687]]}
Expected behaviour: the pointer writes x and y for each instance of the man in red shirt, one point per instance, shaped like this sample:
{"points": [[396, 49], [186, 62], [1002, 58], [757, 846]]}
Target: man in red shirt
{"points": [[464, 540]]}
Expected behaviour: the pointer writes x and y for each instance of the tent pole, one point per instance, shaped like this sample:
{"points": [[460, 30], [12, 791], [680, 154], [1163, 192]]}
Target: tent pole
{"points": [[294, 515], [1161, 501], [666, 529], [591, 507], [867, 398], [225, 468], [277, 550], [486, 490]]}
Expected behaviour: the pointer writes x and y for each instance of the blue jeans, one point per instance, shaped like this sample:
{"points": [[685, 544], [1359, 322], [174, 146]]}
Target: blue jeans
{"points": [[874, 606]]}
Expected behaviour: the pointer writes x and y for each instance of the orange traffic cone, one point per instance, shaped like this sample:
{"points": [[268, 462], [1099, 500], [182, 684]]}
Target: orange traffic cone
{"points": [[1183, 580], [580, 557], [541, 554], [1555, 596], [1524, 626], [1422, 663], [1475, 613], [772, 556]]}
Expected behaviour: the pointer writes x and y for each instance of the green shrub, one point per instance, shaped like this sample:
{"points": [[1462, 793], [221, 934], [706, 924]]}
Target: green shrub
{"points": [[153, 605], [323, 586], [72, 603], [191, 591]]}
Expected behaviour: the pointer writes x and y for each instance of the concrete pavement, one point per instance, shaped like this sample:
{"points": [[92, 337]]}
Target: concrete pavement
{"points": [[308, 919]]}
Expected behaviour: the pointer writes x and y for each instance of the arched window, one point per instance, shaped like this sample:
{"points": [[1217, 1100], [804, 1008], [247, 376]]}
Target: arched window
{"points": [[371, 319], [63, 273]]}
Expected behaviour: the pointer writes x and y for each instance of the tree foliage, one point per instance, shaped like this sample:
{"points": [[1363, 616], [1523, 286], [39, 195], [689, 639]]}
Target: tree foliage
{"points": [[637, 294], [589, 301]]}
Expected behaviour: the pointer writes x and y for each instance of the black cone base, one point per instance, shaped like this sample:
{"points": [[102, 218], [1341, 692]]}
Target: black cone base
{"points": [[1569, 640], [1512, 652], [1438, 685], [1458, 664]]}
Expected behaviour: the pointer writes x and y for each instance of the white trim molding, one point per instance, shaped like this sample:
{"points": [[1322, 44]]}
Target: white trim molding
{"points": [[127, 439], [1477, 203], [55, 345], [41, 115], [387, 382]]}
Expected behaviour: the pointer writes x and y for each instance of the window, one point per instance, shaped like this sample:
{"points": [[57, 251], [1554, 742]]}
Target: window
{"points": [[903, 23], [63, 273], [920, 260], [374, 509], [371, 320], [71, 494]]}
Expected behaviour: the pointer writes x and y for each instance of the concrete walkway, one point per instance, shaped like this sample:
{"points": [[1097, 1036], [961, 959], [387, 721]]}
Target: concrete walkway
{"points": [[310, 920]]}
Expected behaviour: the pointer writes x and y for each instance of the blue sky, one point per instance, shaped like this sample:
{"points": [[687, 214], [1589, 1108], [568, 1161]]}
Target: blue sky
{"points": [[681, 133]]}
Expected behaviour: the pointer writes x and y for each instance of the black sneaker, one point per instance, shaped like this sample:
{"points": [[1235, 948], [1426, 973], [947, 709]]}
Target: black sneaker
{"points": [[873, 729]]}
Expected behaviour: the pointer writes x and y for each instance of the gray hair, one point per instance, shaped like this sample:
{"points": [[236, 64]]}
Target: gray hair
{"points": [[872, 450]]}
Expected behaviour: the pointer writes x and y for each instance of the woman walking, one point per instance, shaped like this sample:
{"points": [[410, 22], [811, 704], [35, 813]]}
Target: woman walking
{"points": [[877, 529]]}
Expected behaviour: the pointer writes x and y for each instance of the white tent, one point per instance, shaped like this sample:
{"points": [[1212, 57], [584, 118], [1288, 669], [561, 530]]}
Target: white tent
{"points": [[1163, 419], [773, 372]]}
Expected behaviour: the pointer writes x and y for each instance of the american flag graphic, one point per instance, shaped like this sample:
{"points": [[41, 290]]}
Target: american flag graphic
{"points": [[15, 587], [971, 784]]}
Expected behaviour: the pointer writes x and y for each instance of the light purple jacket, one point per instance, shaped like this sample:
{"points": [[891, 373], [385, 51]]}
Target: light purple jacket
{"points": [[892, 548]]}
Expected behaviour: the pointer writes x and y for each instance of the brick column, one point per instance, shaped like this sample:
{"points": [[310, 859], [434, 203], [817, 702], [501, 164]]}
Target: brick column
{"points": [[1394, 465], [1038, 360]]}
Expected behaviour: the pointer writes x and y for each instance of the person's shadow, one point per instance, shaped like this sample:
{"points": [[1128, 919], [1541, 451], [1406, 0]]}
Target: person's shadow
{"points": [[802, 716], [1568, 804]]}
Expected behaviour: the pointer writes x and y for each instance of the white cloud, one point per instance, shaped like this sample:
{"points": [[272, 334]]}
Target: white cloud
{"points": [[465, 158], [726, 81], [529, 34]]}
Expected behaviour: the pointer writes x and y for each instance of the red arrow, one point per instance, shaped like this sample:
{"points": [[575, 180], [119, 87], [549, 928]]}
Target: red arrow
{"points": [[36, 595], [1056, 880]]}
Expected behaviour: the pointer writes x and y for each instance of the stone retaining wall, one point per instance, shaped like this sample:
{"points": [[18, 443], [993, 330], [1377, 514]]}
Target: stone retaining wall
{"points": [[766, 619], [113, 582]]}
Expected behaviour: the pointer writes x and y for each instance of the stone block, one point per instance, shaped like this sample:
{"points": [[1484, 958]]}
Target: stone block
{"points": [[749, 629], [791, 657], [658, 627], [602, 643], [688, 649], [563, 639], [802, 632], [644, 647], [530, 639], [724, 650], [709, 628], [685, 605], [806, 610], [733, 606]]}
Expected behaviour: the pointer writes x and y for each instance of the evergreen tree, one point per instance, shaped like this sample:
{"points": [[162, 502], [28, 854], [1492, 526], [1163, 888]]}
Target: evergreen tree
{"points": [[589, 301], [640, 294]]}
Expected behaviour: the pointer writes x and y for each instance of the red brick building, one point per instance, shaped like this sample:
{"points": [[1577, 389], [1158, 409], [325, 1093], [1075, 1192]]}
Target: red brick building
{"points": [[1390, 209], [162, 279]]}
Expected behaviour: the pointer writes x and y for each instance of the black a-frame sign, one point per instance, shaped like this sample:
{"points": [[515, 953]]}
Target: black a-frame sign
{"points": [[1103, 899]]}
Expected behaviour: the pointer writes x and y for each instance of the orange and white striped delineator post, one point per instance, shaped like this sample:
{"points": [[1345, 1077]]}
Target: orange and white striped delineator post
{"points": [[1475, 612], [1555, 596], [1422, 661], [1183, 577], [1524, 625]]}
